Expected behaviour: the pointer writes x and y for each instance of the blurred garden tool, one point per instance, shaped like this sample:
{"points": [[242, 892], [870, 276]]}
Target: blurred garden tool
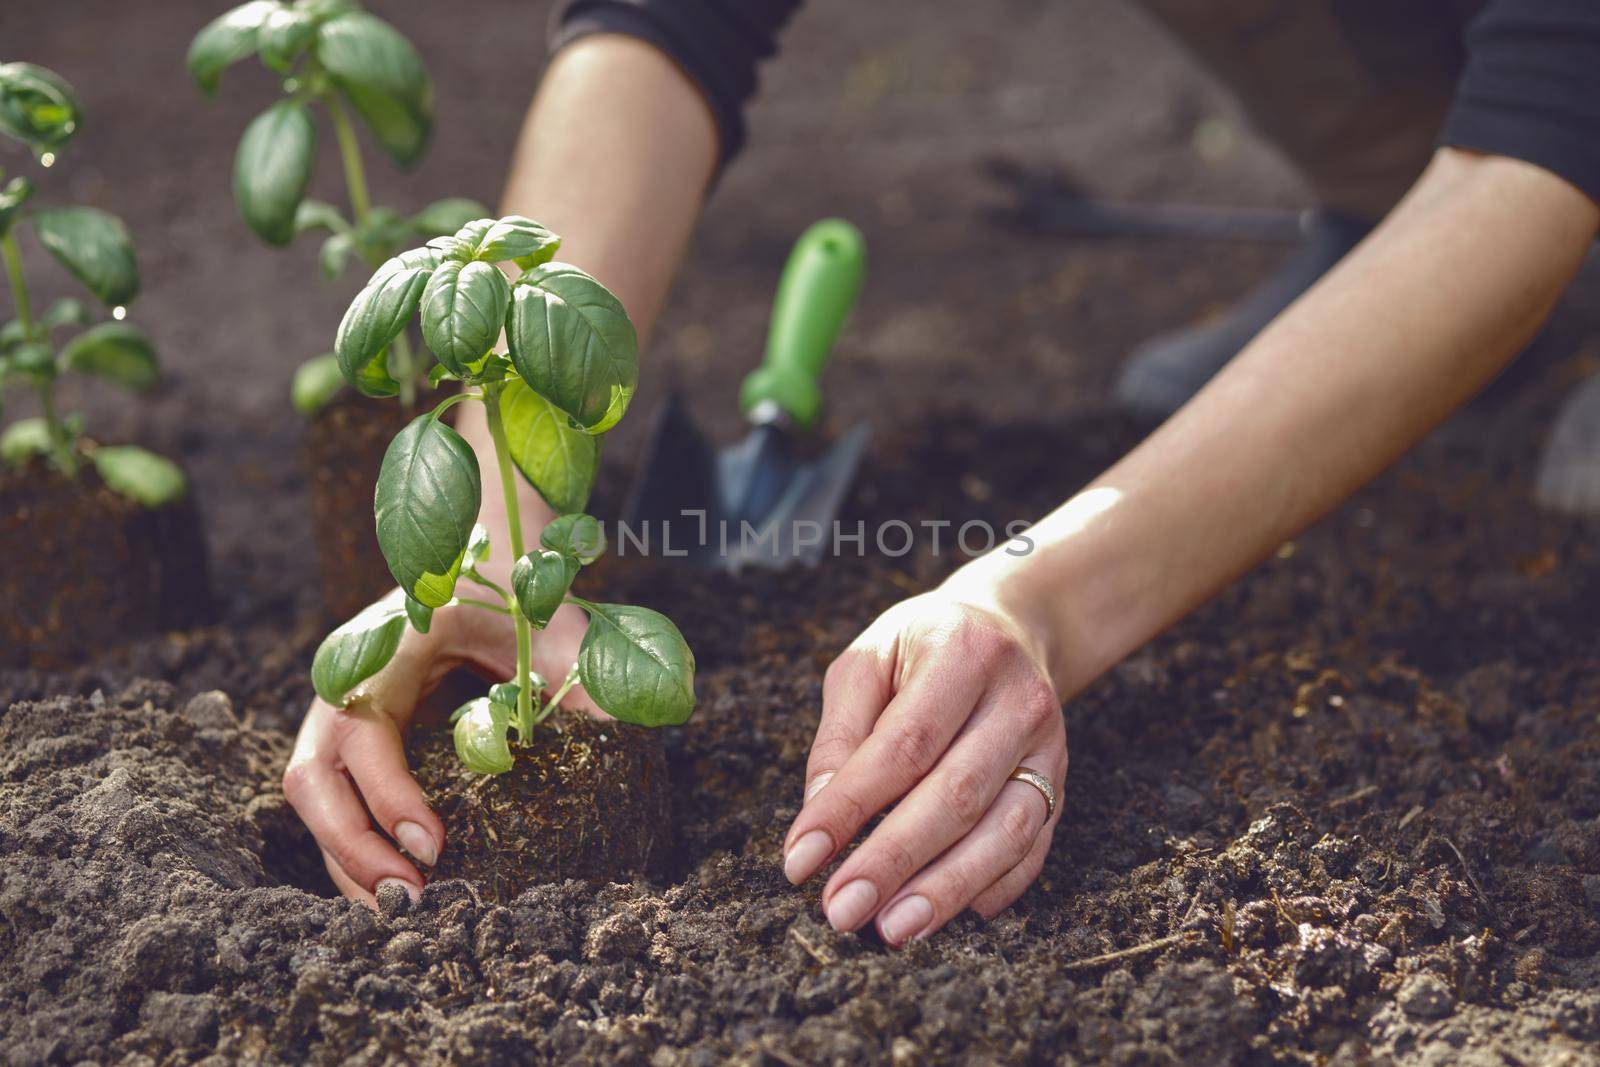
{"points": [[760, 503]]}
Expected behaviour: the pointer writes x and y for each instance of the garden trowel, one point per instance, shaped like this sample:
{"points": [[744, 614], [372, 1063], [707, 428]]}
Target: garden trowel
{"points": [[763, 502]]}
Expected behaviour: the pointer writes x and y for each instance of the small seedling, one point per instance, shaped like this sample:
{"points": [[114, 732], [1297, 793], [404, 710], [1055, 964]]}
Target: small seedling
{"points": [[333, 55], [567, 377], [39, 109]]}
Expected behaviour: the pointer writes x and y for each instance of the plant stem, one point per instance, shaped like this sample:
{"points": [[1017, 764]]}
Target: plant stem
{"points": [[403, 365], [451, 401], [19, 288], [60, 444], [487, 605], [555, 698], [355, 176], [508, 487], [404, 362]]}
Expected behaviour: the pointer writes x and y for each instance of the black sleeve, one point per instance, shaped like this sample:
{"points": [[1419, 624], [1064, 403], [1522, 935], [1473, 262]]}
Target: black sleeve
{"points": [[718, 43], [1531, 88]]}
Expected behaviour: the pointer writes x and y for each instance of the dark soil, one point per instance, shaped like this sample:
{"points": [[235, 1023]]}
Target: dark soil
{"points": [[345, 443], [585, 799], [86, 568], [1347, 813]]}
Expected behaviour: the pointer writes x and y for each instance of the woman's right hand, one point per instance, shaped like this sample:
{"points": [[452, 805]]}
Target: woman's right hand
{"points": [[347, 763]]}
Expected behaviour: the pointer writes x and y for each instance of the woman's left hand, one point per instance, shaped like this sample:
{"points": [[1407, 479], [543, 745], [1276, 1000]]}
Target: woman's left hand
{"points": [[930, 711]]}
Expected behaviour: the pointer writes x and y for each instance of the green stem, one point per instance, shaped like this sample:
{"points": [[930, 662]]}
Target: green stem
{"points": [[508, 487], [60, 443], [355, 175], [455, 398], [19, 288], [403, 365], [487, 605], [554, 702]]}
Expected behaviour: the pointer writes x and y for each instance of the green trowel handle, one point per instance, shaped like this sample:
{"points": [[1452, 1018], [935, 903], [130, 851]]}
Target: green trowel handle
{"points": [[818, 288]]}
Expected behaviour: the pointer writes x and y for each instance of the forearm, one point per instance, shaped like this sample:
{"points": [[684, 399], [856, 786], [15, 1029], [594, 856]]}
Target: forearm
{"points": [[1445, 293], [615, 156]]}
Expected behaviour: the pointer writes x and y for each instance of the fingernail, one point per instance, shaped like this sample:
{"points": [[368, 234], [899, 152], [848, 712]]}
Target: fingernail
{"points": [[417, 841], [411, 891], [808, 853], [816, 787], [905, 919], [851, 905]]}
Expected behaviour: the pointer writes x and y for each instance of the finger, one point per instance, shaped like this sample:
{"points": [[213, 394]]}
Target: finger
{"points": [[326, 801], [908, 739], [345, 884], [854, 692], [1009, 832], [370, 746], [1003, 894], [942, 809]]}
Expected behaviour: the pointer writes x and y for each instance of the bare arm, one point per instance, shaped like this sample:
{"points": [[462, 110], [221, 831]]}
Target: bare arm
{"points": [[942, 697], [1431, 306]]}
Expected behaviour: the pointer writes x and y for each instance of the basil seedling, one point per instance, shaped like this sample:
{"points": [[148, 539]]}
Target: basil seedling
{"points": [[334, 56], [39, 109], [567, 377]]}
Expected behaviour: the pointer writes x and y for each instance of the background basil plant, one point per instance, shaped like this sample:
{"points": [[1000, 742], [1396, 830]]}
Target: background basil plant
{"points": [[334, 56], [39, 109], [568, 376]]}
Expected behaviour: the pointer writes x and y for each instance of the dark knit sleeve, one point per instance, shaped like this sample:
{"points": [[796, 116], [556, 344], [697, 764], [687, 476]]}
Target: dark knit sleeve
{"points": [[718, 43], [1531, 88]]}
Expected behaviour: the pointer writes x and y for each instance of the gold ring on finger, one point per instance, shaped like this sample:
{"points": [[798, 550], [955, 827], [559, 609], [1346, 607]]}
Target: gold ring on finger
{"points": [[1039, 782]]}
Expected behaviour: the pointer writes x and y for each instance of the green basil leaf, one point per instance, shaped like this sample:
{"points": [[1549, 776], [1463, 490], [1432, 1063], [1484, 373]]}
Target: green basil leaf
{"points": [[571, 340], [318, 215], [383, 78], [115, 351], [636, 665], [426, 504], [66, 311], [271, 169], [316, 382], [576, 535], [225, 40], [34, 359], [375, 318], [323, 10], [558, 459], [357, 650], [94, 246], [540, 581], [335, 253], [143, 477], [284, 36], [37, 106], [516, 238], [12, 334], [24, 438], [463, 312], [443, 217], [463, 244], [480, 736], [420, 614], [505, 693], [439, 373]]}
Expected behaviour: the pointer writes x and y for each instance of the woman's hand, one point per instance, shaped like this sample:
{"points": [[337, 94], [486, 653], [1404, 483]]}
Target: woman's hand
{"points": [[931, 710], [351, 762]]}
